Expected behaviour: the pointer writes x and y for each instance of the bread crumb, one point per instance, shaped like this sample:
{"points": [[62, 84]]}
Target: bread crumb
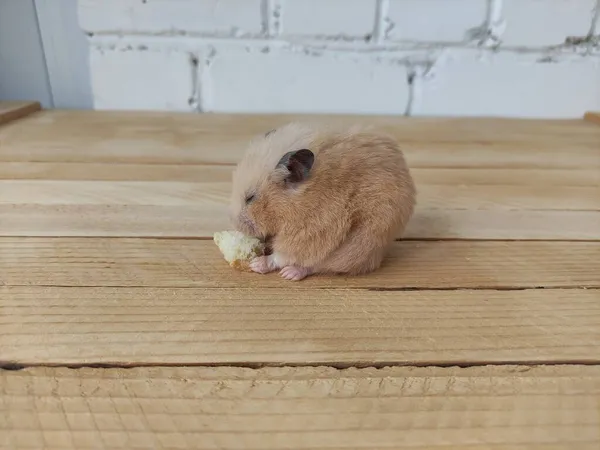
{"points": [[238, 249]]}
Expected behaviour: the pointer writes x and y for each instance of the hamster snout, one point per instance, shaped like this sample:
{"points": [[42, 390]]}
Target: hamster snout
{"points": [[244, 224]]}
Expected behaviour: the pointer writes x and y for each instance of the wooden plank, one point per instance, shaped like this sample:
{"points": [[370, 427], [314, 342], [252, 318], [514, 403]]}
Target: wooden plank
{"points": [[174, 193], [191, 202], [139, 326], [198, 263], [198, 209], [222, 173], [201, 221], [10, 111], [168, 138], [498, 408], [593, 117]]}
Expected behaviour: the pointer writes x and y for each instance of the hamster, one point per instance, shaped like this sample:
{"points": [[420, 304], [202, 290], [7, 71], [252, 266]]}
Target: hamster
{"points": [[329, 202]]}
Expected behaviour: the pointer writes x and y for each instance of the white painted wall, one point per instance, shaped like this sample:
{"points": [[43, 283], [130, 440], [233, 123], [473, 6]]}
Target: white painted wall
{"points": [[65, 52], [23, 73], [419, 57], [44, 54]]}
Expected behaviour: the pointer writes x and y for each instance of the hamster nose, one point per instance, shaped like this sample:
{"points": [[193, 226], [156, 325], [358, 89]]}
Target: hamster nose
{"points": [[236, 222]]}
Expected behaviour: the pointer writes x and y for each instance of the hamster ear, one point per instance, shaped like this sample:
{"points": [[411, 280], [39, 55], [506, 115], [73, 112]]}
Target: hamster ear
{"points": [[298, 163]]}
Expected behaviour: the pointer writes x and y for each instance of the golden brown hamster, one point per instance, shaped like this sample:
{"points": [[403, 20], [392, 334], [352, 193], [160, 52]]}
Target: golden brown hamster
{"points": [[328, 201]]}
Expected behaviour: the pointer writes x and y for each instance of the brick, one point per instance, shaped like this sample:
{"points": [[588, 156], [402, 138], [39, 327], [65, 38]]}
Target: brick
{"points": [[287, 82], [161, 16], [536, 23], [435, 20], [506, 84], [353, 18], [141, 80]]}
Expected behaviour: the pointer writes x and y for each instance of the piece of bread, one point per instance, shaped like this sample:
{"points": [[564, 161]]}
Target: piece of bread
{"points": [[238, 249]]}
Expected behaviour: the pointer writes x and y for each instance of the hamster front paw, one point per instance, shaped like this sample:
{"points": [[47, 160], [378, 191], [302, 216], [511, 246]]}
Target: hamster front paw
{"points": [[294, 273], [262, 264]]}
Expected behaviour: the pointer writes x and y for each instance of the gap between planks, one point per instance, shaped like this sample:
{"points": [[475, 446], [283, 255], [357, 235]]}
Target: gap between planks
{"points": [[17, 366]]}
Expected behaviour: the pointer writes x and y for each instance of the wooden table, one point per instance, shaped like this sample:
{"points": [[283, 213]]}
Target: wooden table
{"points": [[121, 326]]}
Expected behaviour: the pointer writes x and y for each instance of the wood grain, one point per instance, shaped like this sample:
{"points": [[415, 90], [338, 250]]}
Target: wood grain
{"points": [[152, 295], [181, 209], [174, 193], [198, 263], [201, 221], [498, 408], [67, 171], [138, 326], [593, 117], [10, 111], [166, 175], [168, 138]]}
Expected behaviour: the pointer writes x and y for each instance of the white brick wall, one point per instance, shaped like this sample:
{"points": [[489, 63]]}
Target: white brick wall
{"points": [[322, 18], [212, 17], [419, 57], [535, 23], [508, 84], [121, 86], [282, 80], [427, 21]]}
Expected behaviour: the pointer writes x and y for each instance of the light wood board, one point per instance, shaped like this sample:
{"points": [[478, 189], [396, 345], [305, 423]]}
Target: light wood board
{"points": [[10, 111], [203, 219], [198, 209], [498, 408], [157, 174], [168, 138], [175, 326], [105, 258], [197, 173], [193, 263], [593, 117]]}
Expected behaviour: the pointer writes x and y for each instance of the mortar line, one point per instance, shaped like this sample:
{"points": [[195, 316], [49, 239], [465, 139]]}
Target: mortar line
{"points": [[194, 100], [194, 43], [271, 17], [205, 87], [595, 19], [411, 80], [491, 28], [382, 8], [264, 16]]}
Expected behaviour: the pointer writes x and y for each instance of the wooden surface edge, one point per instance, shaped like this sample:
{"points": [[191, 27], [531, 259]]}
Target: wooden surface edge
{"points": [[592, 116], [10, 111], [513, 407]]}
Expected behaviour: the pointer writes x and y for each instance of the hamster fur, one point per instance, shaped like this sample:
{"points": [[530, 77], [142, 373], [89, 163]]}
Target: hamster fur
{"points": [[329, 201]]}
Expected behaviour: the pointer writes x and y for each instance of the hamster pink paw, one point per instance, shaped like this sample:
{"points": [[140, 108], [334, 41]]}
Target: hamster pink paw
{"points": [[262, 264], [294, 273]]}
